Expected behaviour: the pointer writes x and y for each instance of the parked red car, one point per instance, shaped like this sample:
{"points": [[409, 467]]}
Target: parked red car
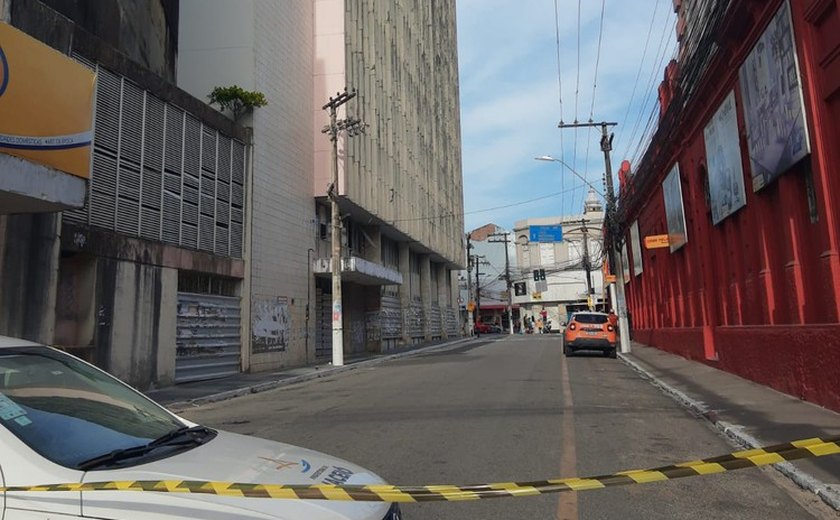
{"points": [[482, 328]]}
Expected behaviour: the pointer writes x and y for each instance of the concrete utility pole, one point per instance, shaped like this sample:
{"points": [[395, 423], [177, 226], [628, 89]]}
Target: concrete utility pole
{"points": [[587, 264], [477, 292], [507, 277], [353, 127], [470, 315], [612, 229]]}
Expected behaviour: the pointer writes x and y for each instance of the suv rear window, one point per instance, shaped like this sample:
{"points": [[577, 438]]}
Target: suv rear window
{"points": [[597, 319]]}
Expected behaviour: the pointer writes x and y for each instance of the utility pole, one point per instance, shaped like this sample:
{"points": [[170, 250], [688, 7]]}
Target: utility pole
{"points": [[507, 277], [612, 229], [470, 316], [353, 127], [477, 293], [587, 265]]}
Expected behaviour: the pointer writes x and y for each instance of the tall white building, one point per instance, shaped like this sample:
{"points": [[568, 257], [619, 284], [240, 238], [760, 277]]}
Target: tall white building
{"points": [[400, 190], [560, 247]]}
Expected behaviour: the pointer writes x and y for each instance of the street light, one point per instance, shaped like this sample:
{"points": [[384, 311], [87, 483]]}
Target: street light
{"points": [[579, 176], [620, 299]]}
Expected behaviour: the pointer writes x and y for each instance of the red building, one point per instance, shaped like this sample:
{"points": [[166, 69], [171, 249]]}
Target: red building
{"points": [[743, 175]]}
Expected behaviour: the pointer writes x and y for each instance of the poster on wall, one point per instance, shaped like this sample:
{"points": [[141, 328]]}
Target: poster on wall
{"points": [[674, 210], [636, 244], [723, 158], [774, 112]]}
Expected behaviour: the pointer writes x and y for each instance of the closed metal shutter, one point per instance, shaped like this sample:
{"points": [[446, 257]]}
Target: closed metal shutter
{"points": [[390, 318], [323, 324], [415, 320], [451, 322], [208, 344], [435, 328]]}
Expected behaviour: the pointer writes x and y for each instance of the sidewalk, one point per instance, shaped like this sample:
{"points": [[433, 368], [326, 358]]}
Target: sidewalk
{"points": [[751, 414]]}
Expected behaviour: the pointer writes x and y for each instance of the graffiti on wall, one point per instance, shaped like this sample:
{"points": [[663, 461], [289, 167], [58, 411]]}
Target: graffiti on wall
{"points": [[271, 324]]}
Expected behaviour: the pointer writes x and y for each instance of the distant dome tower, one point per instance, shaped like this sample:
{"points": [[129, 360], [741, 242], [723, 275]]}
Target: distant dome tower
{"points": [[592, 204]]}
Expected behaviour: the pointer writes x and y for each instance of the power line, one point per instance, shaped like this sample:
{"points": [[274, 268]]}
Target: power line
{"points": [[559, 82], [641, 65], [452, 214], [655, 71], [577, 91], [592, 104]]}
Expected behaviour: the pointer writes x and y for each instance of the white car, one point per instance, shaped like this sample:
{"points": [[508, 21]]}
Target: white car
{"points": [[64, 420]]}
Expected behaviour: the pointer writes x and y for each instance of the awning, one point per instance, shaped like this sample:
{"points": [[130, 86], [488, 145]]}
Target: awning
{"points": [[358, 270]]}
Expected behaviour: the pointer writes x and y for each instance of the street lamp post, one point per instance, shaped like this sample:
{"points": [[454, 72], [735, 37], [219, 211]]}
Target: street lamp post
{"points": [[611, 225]]}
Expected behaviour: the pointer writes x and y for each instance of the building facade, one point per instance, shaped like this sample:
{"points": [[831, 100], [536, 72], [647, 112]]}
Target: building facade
{"points": [[561, 248], [740, 175], [399, 188], [143, 279]]}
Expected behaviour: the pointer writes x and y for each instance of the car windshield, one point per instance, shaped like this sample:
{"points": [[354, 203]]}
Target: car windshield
{"points": [[70, 412], [597, 319]]}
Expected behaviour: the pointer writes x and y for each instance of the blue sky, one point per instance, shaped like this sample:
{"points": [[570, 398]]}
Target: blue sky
{"points": [[511, 97]]}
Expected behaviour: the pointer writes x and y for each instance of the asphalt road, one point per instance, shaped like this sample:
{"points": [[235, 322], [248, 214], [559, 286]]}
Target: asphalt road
{"points": [[511, 410]]}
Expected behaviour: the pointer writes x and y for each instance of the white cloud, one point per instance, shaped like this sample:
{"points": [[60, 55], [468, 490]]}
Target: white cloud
{"points": [[510, 96]]}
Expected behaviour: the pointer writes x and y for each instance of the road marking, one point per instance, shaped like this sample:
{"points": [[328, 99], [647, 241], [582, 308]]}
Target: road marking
{"points": [[567, 504]]}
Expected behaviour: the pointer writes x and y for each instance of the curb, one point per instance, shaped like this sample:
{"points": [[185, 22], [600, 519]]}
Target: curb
{"points": [[328, 371], [737, 435]]}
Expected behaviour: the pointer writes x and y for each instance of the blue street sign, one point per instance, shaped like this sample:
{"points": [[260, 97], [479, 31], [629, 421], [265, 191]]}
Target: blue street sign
{"points": [[546, 234]]}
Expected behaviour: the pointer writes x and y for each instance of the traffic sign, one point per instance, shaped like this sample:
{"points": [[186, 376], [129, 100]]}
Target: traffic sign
{"points": [[657, 241], [471, 307], [610, 278]]}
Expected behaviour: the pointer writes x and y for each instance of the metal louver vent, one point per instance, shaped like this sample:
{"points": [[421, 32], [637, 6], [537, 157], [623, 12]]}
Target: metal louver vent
{"points": [[160, 173]]}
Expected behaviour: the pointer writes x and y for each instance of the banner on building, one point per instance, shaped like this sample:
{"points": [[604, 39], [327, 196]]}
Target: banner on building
{"points": [[774, 112], [674, 210], [46, 104], [636, 245], [723, 160]]}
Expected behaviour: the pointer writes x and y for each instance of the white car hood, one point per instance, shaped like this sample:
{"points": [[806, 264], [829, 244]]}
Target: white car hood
{"points": [[234, 458]]}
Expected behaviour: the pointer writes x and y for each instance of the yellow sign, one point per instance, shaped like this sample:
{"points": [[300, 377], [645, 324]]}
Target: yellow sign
{"points": [[610, 278], [471, 307], [656, 241], [536, 296], [46, 104]]}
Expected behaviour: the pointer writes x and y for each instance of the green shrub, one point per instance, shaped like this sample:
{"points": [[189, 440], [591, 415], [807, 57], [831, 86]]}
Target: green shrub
{"points": [[236, 99]]}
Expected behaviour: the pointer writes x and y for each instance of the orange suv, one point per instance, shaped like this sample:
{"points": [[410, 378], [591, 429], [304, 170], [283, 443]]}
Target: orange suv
{"points": [[590, 331]]}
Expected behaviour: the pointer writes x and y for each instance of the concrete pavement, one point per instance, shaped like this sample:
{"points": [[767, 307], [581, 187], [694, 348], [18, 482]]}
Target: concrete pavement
{"points": [[748, 413]]}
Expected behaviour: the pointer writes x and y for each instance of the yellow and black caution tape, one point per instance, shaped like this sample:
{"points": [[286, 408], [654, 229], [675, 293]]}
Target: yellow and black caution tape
{"points": [[802, 449]]}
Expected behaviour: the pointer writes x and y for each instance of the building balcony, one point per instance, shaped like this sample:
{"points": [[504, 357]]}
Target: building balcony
{"points": [[358, 270]]}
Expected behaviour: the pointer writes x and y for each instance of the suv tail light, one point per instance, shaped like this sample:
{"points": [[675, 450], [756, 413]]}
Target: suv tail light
{"points": [[572, 326], [610, 328]]}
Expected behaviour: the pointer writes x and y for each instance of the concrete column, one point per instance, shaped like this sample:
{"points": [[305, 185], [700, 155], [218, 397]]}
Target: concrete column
{"points": [[443, 298], [426, 295], [405, 290], [167, 327], [29, 250], [141, 318]]}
